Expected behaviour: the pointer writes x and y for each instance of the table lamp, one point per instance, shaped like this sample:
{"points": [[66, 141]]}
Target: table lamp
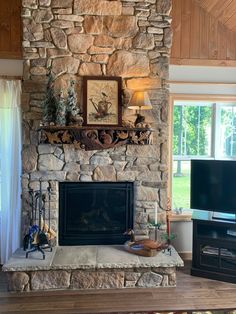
{"points": [[140, 101]]}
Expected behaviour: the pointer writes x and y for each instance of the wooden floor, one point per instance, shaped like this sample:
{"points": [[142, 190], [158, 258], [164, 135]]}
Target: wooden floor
{"points": [[191, 294]]}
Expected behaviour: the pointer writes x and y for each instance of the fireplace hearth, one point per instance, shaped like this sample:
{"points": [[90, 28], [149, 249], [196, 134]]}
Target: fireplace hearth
{"points": [[92, 213]]}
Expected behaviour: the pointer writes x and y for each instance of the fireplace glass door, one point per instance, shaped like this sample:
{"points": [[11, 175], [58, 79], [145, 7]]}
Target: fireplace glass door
{"points": [[94, 212]]}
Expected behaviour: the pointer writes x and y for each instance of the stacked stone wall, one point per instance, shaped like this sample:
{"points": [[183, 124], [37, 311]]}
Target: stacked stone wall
{"points": [[127, 38], [87, 279]]}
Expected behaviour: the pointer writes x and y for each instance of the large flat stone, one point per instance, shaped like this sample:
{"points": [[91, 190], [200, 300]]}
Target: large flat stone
{"points": [[146, 151], [144, 41], [42, 16], [18, 261], [17, 281], [115, 257], [162, 259], [93, 24], [145, 193], [74, 257], [150, 280], [146, 83], [103, 41], [59, 38], [85, 257], [61, 3], [49, 162], [45, 280], [72, 154], [97, 7], [29, 158], [104, 173], [97, 280], [88, 68], [79, 43], [127, 64], [120, 26], [65, 65]]}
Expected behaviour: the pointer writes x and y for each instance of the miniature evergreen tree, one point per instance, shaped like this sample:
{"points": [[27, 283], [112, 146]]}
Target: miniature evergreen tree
{"points": [[71, 108], [50, 103], [61, 111]]}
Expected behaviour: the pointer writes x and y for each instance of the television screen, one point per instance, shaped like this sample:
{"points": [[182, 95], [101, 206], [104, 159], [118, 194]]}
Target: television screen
{"points": [[213, 185]]}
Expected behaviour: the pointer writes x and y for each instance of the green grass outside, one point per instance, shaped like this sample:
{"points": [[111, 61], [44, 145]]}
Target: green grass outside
{"points": [[181, 192]]}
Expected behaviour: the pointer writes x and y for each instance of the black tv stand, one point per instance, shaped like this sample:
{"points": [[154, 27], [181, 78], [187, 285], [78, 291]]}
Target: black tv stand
{"points": [[214, 247]]}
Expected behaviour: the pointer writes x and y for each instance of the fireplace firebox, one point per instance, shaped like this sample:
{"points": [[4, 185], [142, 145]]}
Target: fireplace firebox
{"points": [[95, 212]]}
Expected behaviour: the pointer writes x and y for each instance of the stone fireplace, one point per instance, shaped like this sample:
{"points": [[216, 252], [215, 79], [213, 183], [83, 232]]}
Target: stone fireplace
{"points": [[95, 212], [126, 38], [130, 39]]}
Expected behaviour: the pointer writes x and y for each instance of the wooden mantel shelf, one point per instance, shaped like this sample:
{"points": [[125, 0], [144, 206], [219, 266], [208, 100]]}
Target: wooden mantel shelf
{"points": [[95, 138]]}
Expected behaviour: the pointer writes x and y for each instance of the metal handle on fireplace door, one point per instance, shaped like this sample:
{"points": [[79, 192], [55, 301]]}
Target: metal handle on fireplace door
{"points": [[49, 205]]}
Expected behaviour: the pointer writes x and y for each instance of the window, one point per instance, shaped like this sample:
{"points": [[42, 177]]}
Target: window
{"points": [[201, 130]]}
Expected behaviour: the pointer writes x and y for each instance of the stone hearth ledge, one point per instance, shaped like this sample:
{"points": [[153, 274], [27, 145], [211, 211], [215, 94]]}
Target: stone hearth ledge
{"points": [[90, 267]]}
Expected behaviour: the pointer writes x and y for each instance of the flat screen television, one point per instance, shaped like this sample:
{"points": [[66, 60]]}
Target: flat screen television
{"points": [[213, 186]]}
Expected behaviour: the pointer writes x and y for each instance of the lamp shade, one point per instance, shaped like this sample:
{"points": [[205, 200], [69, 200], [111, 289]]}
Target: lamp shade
{"points": [[140, 101]]}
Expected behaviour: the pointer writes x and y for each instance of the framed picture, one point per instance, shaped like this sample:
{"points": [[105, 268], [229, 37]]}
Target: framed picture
{"points": [[102, 101]]}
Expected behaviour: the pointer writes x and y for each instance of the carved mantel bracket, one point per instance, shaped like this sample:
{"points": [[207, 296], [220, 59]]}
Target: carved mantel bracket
{"points": [[95, 138]]}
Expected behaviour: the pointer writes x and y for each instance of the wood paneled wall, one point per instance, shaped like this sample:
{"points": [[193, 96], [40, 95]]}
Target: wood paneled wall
{"points": [[225, 11], [10, 29], [199, 38]]}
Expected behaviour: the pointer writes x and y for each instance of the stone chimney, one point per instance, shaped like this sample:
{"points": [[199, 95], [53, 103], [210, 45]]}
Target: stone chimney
{"points": [[126, 38]]}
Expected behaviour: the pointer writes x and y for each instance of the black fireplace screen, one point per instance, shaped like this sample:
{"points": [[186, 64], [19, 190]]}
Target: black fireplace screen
{"points": [[95, 212]]}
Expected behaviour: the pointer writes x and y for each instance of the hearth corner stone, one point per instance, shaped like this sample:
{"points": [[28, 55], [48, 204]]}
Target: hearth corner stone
{"points": [[90, 267]]}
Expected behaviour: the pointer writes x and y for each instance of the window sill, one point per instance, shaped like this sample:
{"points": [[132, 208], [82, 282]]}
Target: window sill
{"points": [[180, 217]]}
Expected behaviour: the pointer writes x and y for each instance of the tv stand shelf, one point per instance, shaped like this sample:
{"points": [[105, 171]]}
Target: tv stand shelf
{"points": [[214, 250]]}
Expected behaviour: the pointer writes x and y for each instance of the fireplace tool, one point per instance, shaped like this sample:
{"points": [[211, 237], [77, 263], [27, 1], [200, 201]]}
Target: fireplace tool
{"points": [[38, 238]]}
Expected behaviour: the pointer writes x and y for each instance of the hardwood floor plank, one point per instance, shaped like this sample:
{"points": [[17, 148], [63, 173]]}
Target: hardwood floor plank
{"points": [[191, 294]]}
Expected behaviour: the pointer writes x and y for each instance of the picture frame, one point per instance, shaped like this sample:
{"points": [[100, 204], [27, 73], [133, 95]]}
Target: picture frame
{"points": [[102, 101]]}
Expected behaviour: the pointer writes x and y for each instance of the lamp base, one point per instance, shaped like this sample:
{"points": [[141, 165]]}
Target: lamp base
{"points": [[139, 119]]}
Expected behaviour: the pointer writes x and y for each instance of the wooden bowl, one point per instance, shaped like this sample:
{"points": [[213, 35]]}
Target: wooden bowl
{"points": [[138, 250]]}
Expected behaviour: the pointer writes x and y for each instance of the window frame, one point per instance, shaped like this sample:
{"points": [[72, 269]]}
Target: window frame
{"points": [[216, 117], [0, 182]]}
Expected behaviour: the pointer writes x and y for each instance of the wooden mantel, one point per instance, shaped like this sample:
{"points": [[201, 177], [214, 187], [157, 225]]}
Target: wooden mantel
{"points": [[95, 138]]}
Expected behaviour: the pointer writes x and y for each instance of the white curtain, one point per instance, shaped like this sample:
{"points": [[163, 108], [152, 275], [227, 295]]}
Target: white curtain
{"points": [[10, 167]]}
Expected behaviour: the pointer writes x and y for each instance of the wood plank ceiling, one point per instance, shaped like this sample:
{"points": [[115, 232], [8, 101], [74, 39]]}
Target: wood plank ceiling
{"points": [[224, 11], [10, 29], [201, 38]]}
